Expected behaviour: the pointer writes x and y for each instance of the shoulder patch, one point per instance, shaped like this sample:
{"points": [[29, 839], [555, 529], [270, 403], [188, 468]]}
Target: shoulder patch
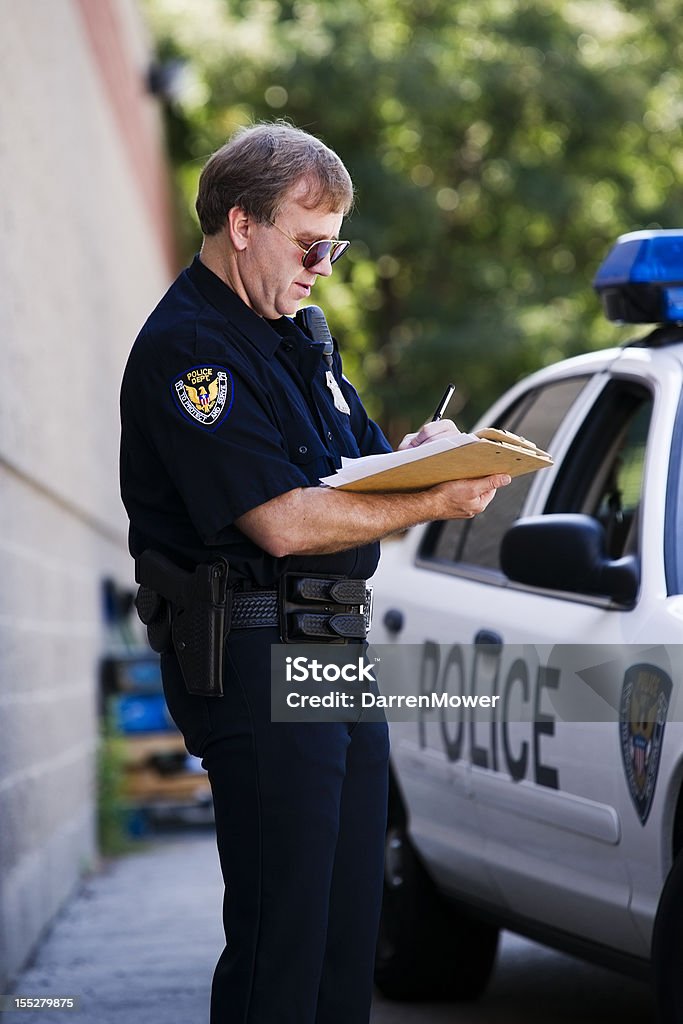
{"points": [[204, 394]]}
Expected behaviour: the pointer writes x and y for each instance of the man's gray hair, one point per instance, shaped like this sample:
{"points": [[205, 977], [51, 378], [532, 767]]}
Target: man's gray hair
{"points": [[259, 165]]}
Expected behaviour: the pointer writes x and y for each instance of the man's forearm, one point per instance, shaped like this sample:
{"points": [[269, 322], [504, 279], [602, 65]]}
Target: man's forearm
{"points": [[324, 520], [321, 520]]}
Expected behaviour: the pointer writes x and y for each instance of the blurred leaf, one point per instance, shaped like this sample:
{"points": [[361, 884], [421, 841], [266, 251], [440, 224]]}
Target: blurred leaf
{"points": [[497, 148]]}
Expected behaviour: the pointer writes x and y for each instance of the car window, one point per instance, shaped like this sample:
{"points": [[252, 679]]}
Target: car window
{"points": [[476, 542], [603, 472], [673, 532]]}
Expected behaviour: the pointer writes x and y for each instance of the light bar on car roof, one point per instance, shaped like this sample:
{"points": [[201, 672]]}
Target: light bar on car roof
{"points": [[641, 280]]}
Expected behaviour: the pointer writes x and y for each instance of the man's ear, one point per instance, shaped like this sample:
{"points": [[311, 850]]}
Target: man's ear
{"points": [[238, 223]]}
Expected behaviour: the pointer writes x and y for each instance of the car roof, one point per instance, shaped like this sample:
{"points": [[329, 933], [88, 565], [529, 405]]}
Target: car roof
{"points": [[590, 364], [602, 359]]}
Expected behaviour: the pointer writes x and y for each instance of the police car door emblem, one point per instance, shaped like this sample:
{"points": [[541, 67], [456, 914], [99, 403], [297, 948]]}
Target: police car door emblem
{"points": [[204, 394], [645, 698]]}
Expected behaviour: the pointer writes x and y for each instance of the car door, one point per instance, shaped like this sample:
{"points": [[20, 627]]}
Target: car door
{"points": [[550, 793], [422, 592]]}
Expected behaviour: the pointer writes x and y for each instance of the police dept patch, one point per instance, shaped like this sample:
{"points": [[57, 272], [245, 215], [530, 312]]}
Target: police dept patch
{"points": [[645, 698], [204, 394]]}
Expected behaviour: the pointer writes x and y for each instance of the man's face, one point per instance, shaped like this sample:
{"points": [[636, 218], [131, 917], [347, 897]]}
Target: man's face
{"points": [[272, 274]]}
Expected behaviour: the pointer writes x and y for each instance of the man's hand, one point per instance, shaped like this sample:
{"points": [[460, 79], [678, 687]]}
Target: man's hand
{"points": [[428, 432], [463, 499]]}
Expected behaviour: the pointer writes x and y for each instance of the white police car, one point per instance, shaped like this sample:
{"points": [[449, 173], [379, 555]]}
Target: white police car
{"points": [[560, 814]]}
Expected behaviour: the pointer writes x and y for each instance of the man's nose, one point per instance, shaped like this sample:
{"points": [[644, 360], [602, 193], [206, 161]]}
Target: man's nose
{"points": [[323, 268]]}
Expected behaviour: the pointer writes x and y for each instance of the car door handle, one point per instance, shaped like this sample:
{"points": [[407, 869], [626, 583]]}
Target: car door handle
{"points": [[393, 620], [488, 638]]}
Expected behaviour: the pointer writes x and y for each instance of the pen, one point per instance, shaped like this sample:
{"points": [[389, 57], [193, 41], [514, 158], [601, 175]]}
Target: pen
{"points": [[441, 407]]}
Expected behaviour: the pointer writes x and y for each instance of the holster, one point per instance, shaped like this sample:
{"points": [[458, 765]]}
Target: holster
{"points": [[191, 610]]}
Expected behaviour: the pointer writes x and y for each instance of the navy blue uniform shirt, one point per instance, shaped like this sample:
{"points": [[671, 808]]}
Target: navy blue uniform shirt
{"points": [[221, 411]]}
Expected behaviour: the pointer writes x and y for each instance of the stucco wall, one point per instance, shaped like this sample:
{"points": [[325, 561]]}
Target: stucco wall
{"points": [[84, 255]]}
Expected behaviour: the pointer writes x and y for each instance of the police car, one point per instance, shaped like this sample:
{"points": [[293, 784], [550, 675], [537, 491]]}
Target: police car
{"points": [[558, 814]]}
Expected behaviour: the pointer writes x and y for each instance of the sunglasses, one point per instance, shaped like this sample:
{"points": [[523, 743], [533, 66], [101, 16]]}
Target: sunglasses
{"points": [[316, 253]]}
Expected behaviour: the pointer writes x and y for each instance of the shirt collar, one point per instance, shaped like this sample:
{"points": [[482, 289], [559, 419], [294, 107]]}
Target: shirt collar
{"points": [[305, 353], [257, 330]]}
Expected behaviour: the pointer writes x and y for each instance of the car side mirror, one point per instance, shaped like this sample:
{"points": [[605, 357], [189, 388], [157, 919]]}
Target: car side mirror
{"points": [[568, 552]]}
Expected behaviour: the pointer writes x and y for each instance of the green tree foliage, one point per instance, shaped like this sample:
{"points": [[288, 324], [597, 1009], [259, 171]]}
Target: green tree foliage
{"points": [[498, 149]]}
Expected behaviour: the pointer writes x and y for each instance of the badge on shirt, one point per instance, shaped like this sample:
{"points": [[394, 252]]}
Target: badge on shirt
{"points": [[340, 402], [204, 394]]}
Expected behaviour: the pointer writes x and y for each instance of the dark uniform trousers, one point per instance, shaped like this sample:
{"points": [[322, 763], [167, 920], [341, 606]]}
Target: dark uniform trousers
{"points": [[300, 820]]}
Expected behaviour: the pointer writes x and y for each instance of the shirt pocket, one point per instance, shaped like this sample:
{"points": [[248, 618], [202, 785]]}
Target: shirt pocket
{"points": [[307, 451]]}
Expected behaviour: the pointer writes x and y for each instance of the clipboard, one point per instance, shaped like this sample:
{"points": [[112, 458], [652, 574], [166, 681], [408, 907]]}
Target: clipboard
{"points": [[452, 457]]}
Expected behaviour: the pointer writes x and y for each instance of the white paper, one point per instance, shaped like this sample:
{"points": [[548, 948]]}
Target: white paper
{"points": [[356, 469]]}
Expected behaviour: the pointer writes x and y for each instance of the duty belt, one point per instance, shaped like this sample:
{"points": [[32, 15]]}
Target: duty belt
{"points": [[195, 611], [307, 609]]}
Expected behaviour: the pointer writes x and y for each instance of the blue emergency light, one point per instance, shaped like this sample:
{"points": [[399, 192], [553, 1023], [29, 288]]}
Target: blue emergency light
{"points": [[641, 280]]}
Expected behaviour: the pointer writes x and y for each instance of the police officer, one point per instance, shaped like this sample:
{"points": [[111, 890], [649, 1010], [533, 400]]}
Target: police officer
{"points": [[230, 416]]}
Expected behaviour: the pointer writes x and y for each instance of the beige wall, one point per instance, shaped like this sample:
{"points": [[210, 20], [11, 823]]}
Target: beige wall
{"points": [[83, 258]]}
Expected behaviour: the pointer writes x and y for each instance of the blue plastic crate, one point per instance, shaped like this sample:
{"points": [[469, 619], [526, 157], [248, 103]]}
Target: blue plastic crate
{"points": [[142, 712]]}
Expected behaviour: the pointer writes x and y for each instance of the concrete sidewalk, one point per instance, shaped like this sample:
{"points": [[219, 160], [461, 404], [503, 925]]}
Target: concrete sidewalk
{"points": [[138, 943]]}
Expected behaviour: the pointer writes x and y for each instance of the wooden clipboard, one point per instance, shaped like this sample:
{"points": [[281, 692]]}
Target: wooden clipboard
{"points": [[494, 451]]}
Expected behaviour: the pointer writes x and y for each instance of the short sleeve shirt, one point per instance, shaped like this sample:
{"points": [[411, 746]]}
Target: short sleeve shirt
{"points": [[221, 411]]}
